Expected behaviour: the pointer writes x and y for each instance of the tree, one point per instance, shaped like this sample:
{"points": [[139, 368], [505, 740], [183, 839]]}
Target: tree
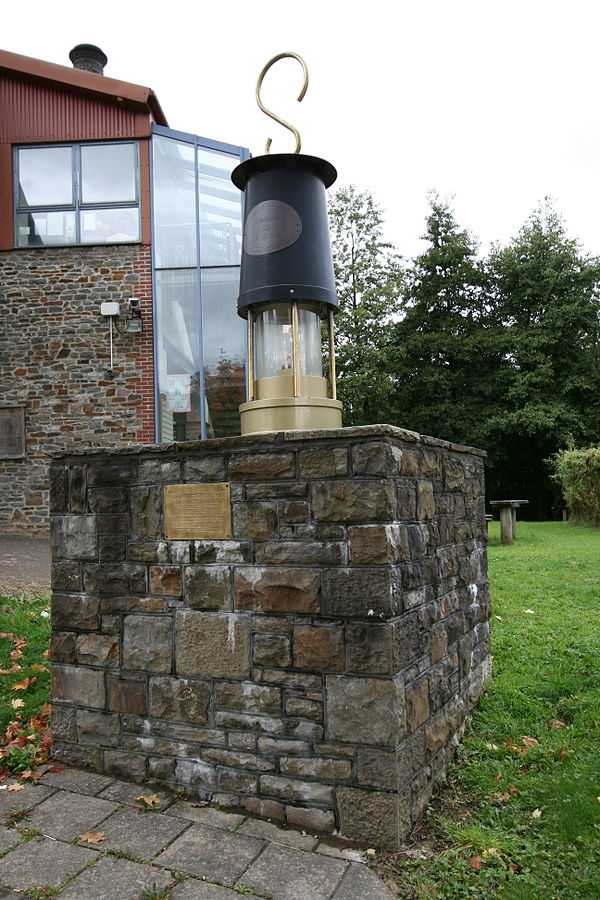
{"points": [[368, 279], [547, 297], [447, 355]]}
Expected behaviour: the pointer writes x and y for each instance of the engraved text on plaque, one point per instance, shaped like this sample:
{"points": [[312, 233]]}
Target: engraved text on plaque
{"points": [[197, 512]]}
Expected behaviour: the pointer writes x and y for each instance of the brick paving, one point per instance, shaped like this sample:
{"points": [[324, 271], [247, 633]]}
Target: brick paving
{"points": [[193, 852]]}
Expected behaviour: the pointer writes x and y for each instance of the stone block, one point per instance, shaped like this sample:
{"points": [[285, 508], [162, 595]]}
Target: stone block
{"points": [[286, 490], [319, 820], [320, 768], [160, 769], [104, 472], [354, 501], [148, 551], [102, 729], [406, 640], [437, 732], [376, 458], [323, 462], [230, 780], [146, 506], [248, 697], [261, 466], [179, 552], [165, 580], [373, 817], [66, 576], [418, 541], [320, 648], [241, 741], [255, 521], [454, 474], [425, 500], [112, 547], [212, 644], [303, 708], [98, 650], [63, 723], [63, 647], [266, 809], [312, 553], [438, 642], [207, 587], [361, 592], [125, 695], [160, 471], [181, 699], [78, 489], [73, 537], [379, 769], [124, 764], [59, 489], [75, 611], [195, 773], [208, 468], [224, 552], [296, 790], [370, 648], [78, 685], [114, 578], [293, 512], [282, 589], [237, 759], [147, 643], [271, 650], [111, 500], [364, 711], [417, 703], [374, 545]]}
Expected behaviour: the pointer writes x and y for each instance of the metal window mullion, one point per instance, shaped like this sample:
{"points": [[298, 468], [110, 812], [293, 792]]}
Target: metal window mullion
{"points": [[76, 167], [202, 385]]}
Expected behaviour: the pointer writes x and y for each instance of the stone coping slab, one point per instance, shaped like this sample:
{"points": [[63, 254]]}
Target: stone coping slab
{"points": [[209, 854], [268, 438]]}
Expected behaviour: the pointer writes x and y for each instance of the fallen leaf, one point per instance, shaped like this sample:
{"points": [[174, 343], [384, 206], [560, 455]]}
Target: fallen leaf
{"points": [[46, 654], [564, 752], [499, 618], [92, 837], [37, 667], [23, 685], [556, 723], [149, 801], [512, 789], [499, 797], [491, 851], [536, 814], [17, 703], [529, 741], [16, 787], [474, 862], [529, 612], [491, 747], [498, 777], [372, 852], [24, 776]]}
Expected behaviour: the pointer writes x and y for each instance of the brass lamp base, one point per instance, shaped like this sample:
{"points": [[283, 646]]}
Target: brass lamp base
{"points": [[290, 414]]}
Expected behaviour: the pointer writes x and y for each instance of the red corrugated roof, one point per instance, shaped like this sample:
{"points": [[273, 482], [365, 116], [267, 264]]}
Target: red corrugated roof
{"points": [[78, 81]]}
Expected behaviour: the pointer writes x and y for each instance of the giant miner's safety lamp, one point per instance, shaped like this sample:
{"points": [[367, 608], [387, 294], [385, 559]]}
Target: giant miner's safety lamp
{"points": [[287, 286]]}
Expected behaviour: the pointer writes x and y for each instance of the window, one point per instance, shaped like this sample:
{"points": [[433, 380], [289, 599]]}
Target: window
{"points": [[77, 194]]}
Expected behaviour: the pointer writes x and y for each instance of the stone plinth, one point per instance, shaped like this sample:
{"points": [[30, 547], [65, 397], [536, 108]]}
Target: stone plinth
{"points": [[317, 666]]}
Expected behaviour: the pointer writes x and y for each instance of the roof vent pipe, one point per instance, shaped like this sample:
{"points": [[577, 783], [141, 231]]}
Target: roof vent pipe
{"points": [[89, 58]]}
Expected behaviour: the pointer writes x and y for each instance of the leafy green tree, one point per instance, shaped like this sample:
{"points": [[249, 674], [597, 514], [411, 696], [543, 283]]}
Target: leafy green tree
{"points": [[368, 277], [447, 348], [546, 294]]}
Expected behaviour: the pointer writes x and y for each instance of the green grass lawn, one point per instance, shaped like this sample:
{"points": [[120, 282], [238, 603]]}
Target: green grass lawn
{"points": [[519, 816]]}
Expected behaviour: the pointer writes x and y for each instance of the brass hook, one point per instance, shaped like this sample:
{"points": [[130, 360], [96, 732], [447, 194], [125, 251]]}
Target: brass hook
{"points": [[268, 112]]}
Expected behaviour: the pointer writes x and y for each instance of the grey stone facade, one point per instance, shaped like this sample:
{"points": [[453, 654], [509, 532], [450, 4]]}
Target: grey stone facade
{"points": [[315, 668]]}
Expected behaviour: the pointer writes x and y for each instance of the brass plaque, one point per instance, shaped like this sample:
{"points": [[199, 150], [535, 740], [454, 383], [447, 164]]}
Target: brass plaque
{"points": [[197, 512]]}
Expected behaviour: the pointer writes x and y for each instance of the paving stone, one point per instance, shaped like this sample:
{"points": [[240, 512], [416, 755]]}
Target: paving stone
{"points": [[37, 864], [271, 832], [191, 889], [77, 780], [360, 883], [126, 792], [215, 854], [66, 815], [281, 873], [99, 882], [139, 833], [25, 799], [205, 815], [8, 838]]}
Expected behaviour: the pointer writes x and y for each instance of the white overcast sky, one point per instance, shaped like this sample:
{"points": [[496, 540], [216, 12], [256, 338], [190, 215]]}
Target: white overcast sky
{"points": [[492, 103]]}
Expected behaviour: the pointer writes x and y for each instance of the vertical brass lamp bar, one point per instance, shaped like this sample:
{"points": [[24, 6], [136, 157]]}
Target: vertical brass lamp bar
{"points": [[250, 356], [332, 388], [295, 352]]}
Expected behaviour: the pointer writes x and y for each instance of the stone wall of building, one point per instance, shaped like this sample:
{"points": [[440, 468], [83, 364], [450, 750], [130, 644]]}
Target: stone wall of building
{"points": [[54, 357], [317, 667]]}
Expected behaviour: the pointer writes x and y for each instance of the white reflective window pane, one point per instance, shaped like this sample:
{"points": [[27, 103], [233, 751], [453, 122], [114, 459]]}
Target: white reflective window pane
{"points": [[220, 209], [174, 203], [36, 229], [309, 330], [110, 226], [178, 354], [224, 340], [108, 173], [274, 346], [45, 176]]}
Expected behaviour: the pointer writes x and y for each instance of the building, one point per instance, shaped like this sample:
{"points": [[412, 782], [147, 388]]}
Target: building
{"points": [[104, 209]]}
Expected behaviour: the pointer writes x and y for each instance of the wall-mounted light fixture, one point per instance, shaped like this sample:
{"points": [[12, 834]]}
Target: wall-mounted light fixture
{"points": [[133, 323], [133, 317]]}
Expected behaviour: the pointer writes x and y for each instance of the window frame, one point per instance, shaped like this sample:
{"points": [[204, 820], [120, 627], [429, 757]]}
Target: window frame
{"points": [[77, 207]]}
